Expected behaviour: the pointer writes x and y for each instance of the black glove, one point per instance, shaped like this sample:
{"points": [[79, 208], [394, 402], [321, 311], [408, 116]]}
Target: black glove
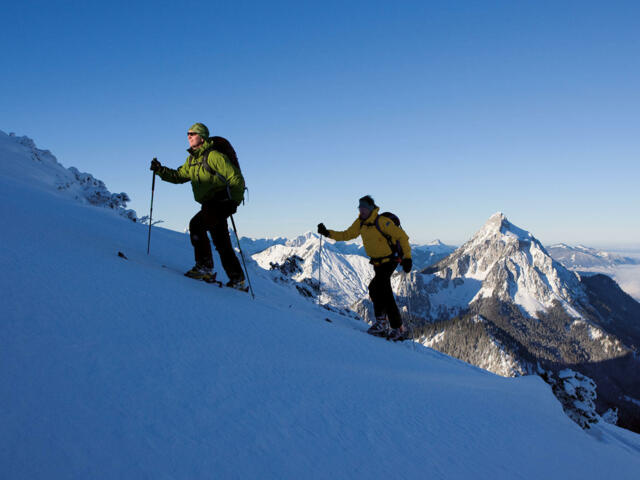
{"points": [[155, 165], [322, 230], [407, 263]]}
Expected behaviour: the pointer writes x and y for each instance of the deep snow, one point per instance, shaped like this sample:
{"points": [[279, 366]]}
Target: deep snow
{"points": [[113, 368]]}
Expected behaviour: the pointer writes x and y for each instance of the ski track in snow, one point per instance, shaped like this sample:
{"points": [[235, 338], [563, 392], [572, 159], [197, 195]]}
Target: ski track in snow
{"points": [[113, 368]]}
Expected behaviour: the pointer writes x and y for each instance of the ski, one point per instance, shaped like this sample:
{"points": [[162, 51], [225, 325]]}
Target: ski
{"points": [[219, 284], [385, 334], [399, 339], [377, 334]]}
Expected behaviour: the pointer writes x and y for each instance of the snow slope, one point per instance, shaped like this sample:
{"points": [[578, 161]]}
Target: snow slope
{"points": [[113, 368]]}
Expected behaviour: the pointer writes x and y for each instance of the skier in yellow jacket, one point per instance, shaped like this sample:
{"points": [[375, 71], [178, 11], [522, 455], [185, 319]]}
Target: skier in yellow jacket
{"points": [[386, 244]]}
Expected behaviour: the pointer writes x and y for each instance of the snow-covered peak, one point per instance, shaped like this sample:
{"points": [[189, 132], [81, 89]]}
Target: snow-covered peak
{"points": [[498, 237], [345, 272], [559, 245], [496, 219], [498, 224], [255, 245], [434, 249], [505, 261], [301, 240]]}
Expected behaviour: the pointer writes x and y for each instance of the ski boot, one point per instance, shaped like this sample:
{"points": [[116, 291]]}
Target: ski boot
{"points": [[200, 272], [380, 327], [237, 284], [398, 334]]}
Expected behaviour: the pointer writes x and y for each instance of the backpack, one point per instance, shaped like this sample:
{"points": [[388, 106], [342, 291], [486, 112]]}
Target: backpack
{"points": [[222, 145], [396, 249]]}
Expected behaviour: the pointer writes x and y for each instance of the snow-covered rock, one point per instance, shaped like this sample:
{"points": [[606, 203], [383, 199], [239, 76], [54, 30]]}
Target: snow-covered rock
{"points": [[25, 162], [577, 393]]}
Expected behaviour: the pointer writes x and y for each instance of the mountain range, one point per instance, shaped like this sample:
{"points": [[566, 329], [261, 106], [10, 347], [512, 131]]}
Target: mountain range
{"points": [[587, 258], [343, 268]]}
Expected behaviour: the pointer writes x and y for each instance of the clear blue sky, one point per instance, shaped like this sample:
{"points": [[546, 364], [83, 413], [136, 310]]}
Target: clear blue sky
{"points": [[445, 112]]}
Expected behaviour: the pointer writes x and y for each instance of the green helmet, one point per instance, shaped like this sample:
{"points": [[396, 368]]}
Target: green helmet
{"points": [[201, 129]]}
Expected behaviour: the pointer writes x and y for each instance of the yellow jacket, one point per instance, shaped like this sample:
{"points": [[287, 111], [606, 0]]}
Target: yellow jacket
{"points": [[375, 245]]}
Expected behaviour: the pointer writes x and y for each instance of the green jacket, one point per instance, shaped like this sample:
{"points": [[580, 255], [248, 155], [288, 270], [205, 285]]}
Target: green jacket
{"points": [[219, 179]]}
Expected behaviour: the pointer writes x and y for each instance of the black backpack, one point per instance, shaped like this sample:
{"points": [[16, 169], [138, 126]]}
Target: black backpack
{"points": [[222, 145], [396, 249]]}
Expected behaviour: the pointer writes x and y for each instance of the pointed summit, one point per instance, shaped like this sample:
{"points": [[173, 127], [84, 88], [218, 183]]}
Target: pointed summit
{"points": [[301, 240], [498, 224], [495, 225], [506, 262], [496, 220]]}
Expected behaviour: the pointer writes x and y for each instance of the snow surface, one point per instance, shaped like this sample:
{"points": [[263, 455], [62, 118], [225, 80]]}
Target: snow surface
{"points": [[114, 368]]}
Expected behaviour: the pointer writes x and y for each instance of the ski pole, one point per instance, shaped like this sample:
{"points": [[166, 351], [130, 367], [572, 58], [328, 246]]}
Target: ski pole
{"points": [[153, 187], [320, 271], [235, 230], [407, 285]]}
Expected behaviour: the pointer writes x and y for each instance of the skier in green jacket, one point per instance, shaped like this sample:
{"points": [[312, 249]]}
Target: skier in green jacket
{"points": [[218, 186]]}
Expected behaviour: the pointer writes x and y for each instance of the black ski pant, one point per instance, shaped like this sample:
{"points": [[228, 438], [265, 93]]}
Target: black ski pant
{"points": [[212, 218], [382, 295]]}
